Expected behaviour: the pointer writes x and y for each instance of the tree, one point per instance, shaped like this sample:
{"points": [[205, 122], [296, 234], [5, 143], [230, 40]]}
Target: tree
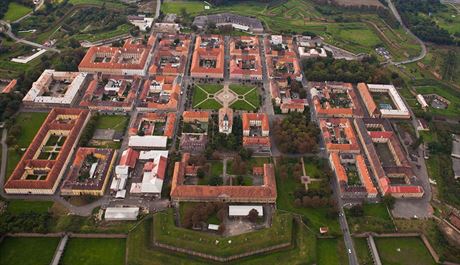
{"points": [[215, 181], [357, 211], [389, 201], [253, 215]]}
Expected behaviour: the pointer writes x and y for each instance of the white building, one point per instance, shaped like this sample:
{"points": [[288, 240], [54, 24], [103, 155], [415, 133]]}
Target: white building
{"points": [[55, 88], [148, 142], [421, 100], [400, 110], [121, 213], [243, 210]]}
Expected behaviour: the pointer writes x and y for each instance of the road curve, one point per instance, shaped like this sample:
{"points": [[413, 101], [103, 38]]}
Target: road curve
{"points": [[422, 44], [30, 43]]}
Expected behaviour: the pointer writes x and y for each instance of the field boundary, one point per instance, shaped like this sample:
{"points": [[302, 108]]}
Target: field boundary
{"points": [[274, 248]]}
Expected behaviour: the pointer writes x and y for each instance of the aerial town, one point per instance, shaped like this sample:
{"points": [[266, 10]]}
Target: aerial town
{"points": [[258, 132]]}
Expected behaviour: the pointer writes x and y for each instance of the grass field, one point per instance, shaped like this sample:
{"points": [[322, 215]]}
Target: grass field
{"points": [[448, 19], [30, 123], [331, 252], [27, 250], [140, 251], [107, 3], [362, 251], [166, 232], [16, 11], [114, 122], [22, 206], [375, 219], [317, 217], [248, 97], [88, 251], [192, 7], [453, 109], [403, 251], [203, 96], [120, 30]]}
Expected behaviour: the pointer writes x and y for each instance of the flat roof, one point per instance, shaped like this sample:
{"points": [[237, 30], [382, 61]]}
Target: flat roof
{"points": [[150, 141], [243, 210]]}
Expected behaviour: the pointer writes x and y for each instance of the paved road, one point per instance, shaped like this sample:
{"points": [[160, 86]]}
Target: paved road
{"points": [[422, 44], [157, 10], [4, 159], [30, 43]]}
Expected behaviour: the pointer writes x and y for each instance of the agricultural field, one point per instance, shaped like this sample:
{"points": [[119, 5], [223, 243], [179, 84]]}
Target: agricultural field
{"points": [[403, 251], [27, 250], [101, 251], [30, 123], [16, 11]]}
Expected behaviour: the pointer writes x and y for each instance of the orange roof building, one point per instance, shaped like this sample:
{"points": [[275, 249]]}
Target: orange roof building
{"points": [[131, 59], [283, 67], [335, 100], [244, 45], [181, 192], [159, 93], [208, 57], [43, 164], [192, 116], [111, 93], [170, 56], [10, 86], [256, 130], [245, 67], [90, 172], [154, 124], [292, 106], [339, 135], [388, 161], [225, 120], [352, 176]]}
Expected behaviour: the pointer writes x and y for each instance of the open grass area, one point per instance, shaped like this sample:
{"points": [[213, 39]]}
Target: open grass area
{"points": [[362, 251], [317, 217], [240, 89], [242, 105], [114, 122], [175, 7], [375, 219], [16, 11], [88, 251], [30, 123], [166, 232], [23, 206], [331, 252], [203, 96], [453, 110], [107, 3], [120, 30], [248, 97], [140, 251], [403, 251], [27, 250]]}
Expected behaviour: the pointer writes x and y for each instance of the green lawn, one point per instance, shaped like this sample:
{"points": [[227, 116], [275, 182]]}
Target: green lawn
{"points": [[210, 88], [107, 3], [192, 7], [403, 251], [16, 11], [362, 251], [375, 219], [453, 96], [240, 89], [217, 168], [27, 250], [120, 30], [115, 122], [140, 251], [89, 251], [331, 252], [317, 217], [166, 232], [242, 105], [210, 104], [30, 123], [22, 206]]}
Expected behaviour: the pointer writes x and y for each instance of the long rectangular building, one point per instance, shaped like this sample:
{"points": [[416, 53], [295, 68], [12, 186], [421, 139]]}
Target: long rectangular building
{"points": [[44, 162]]}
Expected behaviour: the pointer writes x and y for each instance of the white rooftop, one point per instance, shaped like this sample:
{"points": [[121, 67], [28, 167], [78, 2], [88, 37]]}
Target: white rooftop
{"points": [[243, 210], [149, 141], [119, 213]]}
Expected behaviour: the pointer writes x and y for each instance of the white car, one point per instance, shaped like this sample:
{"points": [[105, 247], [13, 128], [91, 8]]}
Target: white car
{"points": [[349, 251]]}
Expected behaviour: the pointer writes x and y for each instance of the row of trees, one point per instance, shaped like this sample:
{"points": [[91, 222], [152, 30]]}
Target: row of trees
{"points": [[24, 222], [296, 134], [199, 214]]}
